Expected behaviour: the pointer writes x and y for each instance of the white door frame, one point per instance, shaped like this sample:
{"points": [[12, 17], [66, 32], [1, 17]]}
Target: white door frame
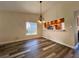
{"points": [[76, 26]]}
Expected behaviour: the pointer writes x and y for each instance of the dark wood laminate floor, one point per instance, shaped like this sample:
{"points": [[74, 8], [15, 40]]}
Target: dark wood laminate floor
{"points": [[35, 48]]}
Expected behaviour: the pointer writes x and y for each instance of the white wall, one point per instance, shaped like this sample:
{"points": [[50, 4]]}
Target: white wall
{"points": [[77, 18], [68, 37], [12, 26]]}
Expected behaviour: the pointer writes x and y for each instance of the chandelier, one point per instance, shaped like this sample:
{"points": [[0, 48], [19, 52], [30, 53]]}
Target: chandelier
{"points": [[41, 19]]}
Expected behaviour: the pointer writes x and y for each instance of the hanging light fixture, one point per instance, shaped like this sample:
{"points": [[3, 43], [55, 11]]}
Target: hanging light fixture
{"points": [[41, 19]]}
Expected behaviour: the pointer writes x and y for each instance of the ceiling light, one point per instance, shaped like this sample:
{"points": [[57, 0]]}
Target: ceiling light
{"points": [[41, 19]]}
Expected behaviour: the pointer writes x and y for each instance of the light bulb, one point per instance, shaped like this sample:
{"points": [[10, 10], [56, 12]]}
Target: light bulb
{"points": [[39, 21]]}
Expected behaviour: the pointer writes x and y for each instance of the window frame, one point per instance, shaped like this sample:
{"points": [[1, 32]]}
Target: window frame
{"points": [[27, 33]]}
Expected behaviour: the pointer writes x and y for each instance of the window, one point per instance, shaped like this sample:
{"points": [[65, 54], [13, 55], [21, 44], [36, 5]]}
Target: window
{"points": [[31, 28]]}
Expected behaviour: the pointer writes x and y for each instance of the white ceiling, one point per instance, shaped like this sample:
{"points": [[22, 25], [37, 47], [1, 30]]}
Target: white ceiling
{"points": [[27, 6]]}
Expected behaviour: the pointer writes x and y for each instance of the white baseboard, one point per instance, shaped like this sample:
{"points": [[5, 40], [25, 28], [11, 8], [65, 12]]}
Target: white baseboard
{"points": [[61, 43], [1, 43], [6, 42]]}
